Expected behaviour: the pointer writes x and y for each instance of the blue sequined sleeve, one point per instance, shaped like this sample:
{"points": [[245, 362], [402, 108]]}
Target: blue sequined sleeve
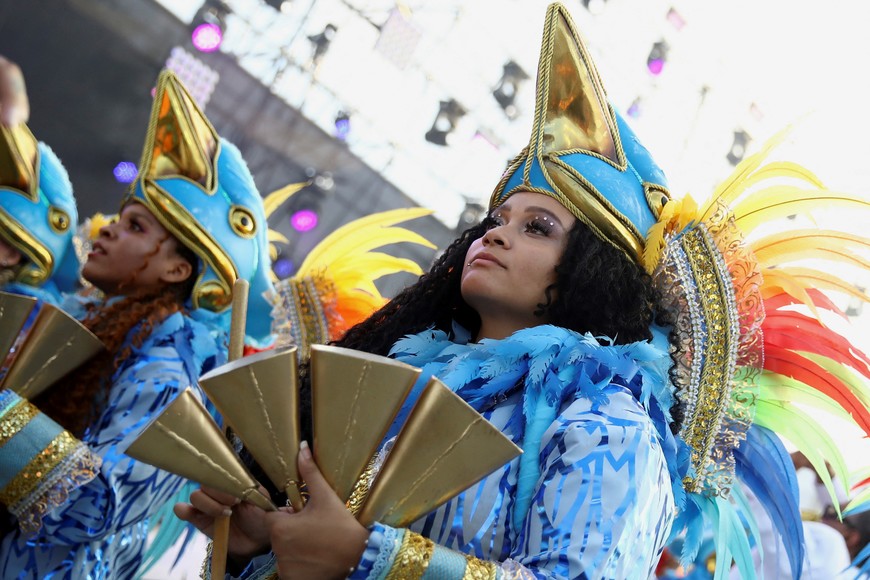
{"points": [[127, 491], [602, 508]]}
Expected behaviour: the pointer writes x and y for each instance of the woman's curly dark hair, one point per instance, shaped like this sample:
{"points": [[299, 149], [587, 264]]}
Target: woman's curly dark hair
{"points": [[81, 397], [598, 290]]}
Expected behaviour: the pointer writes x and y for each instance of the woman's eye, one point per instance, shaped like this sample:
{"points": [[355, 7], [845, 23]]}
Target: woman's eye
{"points": [[134, 225], [492, 221], [538, 226]]}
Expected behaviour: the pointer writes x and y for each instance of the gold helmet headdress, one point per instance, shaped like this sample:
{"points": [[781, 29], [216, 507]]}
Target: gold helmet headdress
{"points": [[37, 209], [201, 190]]}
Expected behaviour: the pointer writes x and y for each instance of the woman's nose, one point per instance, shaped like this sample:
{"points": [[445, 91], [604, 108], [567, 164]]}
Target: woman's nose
{"points": [[107, 231], [495, 236]]}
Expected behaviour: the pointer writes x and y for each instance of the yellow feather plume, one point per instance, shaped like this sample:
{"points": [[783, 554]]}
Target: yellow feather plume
{"points": [[781, 248], [275, 199], [725, 192], [781, 201], [334, 288], [363, 235]]}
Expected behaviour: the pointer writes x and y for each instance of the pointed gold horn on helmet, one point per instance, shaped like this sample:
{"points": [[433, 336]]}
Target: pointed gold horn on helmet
{"points": [[19, 160], [577, 152], [571, 112], [181, 142]]}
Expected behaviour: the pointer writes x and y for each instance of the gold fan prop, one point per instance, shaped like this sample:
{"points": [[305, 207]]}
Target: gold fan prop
{"points": [[185, 440], [259, 399], [49, 348], [444, 447]]}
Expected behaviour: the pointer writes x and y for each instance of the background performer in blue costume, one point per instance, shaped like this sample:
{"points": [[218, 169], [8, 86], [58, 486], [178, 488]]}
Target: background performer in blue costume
{"points": [[542, 318], [164, 267], [38, 219]]}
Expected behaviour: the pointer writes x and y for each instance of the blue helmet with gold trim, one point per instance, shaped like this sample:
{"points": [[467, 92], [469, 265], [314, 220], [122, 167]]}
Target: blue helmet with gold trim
{"points": [[199, 187], [582, 153], [38, 213]]}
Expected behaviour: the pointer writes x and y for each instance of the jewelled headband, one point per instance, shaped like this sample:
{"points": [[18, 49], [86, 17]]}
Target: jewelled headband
{"points": [[581, 152]]}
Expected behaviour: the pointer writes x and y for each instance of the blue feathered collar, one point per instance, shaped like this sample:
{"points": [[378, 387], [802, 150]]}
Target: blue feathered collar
{"points": [[554, 366]]}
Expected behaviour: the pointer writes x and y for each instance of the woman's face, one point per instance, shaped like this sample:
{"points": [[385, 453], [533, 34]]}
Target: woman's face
{"points": [[134, 254], [9, 256], [508, 270]]}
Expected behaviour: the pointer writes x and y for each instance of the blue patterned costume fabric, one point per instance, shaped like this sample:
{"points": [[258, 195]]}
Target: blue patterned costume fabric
{"points": [[591, 496], [100, 531], [47, 293]]}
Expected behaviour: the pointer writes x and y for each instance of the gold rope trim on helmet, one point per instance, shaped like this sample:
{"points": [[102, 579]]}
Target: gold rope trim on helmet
{"points": [[215, 295], [41, 260]]}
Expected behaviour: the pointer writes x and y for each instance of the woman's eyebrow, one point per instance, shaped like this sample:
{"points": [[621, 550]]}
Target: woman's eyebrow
{"points": [[142, 215], [537, 209]]}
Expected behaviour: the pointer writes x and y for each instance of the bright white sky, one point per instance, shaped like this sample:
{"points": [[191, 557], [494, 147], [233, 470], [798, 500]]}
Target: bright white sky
{"points": [[767, 63]]}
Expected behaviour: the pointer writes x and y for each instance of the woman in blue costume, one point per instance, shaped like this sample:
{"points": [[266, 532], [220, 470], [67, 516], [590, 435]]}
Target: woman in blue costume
{"points": [[37, 219], [191, 224], [542, 321]]}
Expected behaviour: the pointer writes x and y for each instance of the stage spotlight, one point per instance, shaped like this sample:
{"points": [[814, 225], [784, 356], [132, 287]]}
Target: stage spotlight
{"points": [[594, 6], [321, 42], [342, 126], [282, 268], [738, 147], [449, 114], [634, 109], [506, 91], [279, 5], [209, 26], [470, 216], [658, 55]]}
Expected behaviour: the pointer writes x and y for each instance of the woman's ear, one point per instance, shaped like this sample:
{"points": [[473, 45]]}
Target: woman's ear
{"points": [[177, 270], [9, 256]]}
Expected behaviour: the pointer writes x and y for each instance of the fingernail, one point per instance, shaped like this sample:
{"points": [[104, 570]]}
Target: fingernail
{"points": [[304, 450], [237, 501], [10, 115], [227, 513]]}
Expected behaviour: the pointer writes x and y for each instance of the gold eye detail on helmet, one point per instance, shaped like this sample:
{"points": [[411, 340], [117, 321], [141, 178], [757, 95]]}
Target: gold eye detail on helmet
{"points": [[656, 197], [243, 221], [58, 219]]}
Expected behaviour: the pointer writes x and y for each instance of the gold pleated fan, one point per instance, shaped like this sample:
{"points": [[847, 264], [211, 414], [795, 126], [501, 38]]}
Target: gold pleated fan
{"points": [[36, 353], [443, 448]]}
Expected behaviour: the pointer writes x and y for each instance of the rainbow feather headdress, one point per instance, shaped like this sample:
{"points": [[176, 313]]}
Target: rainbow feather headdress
{"points": [[751, 349]]}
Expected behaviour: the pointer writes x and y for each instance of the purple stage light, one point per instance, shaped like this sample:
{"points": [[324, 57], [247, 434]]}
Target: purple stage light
{"points": [[207, 37], [125, 172], [655, 66], [282, 268], [304, 220]]}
